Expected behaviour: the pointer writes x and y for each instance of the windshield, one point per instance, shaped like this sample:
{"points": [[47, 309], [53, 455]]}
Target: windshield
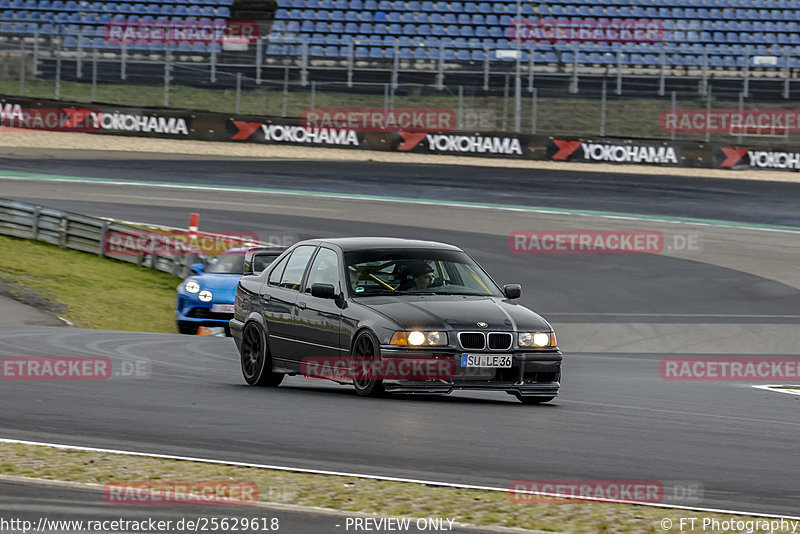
{"points": [[398, 272], [227, 264]]}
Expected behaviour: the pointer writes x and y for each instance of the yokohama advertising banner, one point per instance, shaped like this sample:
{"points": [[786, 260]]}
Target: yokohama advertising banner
{"points": [[757, 159], [606, 150]]}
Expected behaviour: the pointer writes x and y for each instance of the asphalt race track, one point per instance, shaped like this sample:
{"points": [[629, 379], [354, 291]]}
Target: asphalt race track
{"points": [[617, 316]]}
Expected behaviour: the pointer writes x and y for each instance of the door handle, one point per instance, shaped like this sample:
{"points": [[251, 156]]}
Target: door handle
{"points": [[301, 305]]}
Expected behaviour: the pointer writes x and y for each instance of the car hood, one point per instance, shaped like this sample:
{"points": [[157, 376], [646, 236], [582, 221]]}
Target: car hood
{"points": [[443, 312], [222, 286]]}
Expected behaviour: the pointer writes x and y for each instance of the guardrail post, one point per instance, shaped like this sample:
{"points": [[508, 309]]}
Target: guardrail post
{"points": [[746, 88], [705, 73], [36, 211], [460, 116], [123, 64], [603, 110], [285, 103], [58, 72], [94, 76], [79, 60], [662, 80], [534, 105], [788, 72], [63, 229], [103, 233], [619, 72], [505, 103], [708, 113], [531, 65], [485, 68], [238, 92], [21, 67], [395, 66], [167, 61], [673, 103], [313, 95], [36, 51], [350, 60], [440, 73], [741, 108], [259, 59], [574, 87], [304, 65], [213, 70]]}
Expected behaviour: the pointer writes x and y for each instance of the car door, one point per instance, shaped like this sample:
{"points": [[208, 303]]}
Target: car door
{"points": [[318, 320], [278, 296]]}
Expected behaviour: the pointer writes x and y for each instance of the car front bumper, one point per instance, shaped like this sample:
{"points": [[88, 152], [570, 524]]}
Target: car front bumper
{"points": [[532, 374]]}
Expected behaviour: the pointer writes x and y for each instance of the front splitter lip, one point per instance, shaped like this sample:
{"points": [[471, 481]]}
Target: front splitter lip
{"points": [[527, 390]]}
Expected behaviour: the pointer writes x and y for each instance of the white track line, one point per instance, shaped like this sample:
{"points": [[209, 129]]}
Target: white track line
{"points": [[776, 388], [379, 477]]}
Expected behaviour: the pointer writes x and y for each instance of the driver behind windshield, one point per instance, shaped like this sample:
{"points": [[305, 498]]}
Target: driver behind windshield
{"points": [[421, 277]]}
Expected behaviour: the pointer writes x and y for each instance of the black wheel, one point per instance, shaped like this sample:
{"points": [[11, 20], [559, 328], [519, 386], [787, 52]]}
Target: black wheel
{"points": [[366, 347], [256, 361], [534, 400], [187, 328]]}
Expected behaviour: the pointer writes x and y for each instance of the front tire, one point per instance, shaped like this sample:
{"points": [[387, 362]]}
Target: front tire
{"points": [[187, 328], [366, 346], [255, 358]]}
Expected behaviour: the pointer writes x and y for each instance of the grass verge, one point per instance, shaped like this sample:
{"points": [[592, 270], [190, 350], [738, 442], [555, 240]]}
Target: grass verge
{"points": [[382, 498], [89, 291]]}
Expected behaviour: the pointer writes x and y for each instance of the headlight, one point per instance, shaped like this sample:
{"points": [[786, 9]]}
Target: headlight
{"points": [[537, 339], [205, 296], [417, 338], [191, 286]]}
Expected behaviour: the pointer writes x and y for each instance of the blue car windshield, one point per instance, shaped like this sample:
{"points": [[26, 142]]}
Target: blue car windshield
{"points": [[227, 264], [399, 272]]}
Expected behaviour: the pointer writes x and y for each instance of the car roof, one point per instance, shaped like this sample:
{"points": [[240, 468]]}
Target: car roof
{"points": [[348, 244]]}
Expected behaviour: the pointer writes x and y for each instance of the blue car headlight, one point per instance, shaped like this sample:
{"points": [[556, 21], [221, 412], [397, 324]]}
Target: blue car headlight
{"points": [[205, 296], [191, 286]]}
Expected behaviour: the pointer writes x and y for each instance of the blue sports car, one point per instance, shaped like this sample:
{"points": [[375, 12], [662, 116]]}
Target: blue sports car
{"points": [[206, 298]]}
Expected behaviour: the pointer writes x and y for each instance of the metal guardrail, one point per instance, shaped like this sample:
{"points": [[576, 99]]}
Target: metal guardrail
{"points": [[87, 234]]}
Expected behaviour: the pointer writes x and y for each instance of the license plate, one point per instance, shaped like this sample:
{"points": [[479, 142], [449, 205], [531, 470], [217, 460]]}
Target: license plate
{"points": [[486, 360], [222, 308]]}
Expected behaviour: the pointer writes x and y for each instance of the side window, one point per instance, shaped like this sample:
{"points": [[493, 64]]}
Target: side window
{"points": [[296, 266], [277, 272], [324, 270], [262, 261]]}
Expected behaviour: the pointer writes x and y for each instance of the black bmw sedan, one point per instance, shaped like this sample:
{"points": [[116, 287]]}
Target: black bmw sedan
{"points": [[391, 315]]}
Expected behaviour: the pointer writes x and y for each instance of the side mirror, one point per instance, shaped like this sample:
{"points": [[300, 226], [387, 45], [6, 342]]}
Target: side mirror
{"points": [[323, 291], [197, 268], [512, 291]]}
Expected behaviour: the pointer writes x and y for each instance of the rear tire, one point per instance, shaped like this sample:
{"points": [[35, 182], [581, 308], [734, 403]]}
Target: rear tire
{"points": [[366, 346], [255, 358]]}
